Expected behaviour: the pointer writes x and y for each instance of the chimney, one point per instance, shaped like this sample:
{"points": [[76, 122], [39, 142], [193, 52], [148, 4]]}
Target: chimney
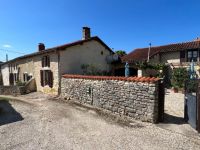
{"points": [[41, 47], [86, 33]]}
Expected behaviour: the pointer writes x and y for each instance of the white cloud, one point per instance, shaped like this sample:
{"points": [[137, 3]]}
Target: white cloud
{"points": [[7, 46]]}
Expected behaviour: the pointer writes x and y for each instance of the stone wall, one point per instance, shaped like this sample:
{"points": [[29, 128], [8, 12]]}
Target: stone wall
{"points": [[19, 90], [30, 86], [12, 90], [134, 97]]}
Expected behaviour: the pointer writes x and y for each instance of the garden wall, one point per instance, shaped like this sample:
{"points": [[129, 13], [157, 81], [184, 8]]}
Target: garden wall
{"points": [[12, 90], [134, 97]]}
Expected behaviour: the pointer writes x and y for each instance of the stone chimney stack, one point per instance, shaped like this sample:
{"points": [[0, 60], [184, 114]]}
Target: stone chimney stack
{"points": [[41, 47], [86, 33]]}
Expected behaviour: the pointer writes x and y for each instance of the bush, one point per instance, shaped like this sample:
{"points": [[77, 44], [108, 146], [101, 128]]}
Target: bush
{"points": [[191, 86], [179, 76], [20, 83]]}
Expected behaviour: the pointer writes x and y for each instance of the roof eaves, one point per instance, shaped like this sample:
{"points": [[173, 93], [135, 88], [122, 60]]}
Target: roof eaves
{"points": [[59, 48]]}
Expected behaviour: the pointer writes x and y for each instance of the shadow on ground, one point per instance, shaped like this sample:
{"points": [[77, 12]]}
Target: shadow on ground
{"points": [[7, 113], [169, 119]]}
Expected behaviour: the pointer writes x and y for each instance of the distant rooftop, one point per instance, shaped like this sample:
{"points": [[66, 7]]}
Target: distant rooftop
{"points": [[141, 54]]}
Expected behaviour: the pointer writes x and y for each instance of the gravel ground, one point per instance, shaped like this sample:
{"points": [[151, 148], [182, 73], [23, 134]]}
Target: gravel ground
{"points": [[174, 114], [50, 124]]}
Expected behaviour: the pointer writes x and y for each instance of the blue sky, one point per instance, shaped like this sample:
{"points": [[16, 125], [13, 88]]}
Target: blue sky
{"points": [[125, 25]]}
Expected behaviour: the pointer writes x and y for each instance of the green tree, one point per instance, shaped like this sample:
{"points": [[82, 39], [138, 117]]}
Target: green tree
{"points": [[120, 52]]}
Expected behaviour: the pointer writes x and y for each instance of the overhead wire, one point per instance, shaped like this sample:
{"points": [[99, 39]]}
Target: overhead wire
{"points": [[11, 51]]}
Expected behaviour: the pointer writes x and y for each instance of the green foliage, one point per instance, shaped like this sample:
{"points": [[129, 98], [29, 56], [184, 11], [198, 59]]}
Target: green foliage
{"points": [[179, 76], [120, 52], [91, 69], [159, 67], [192, 85], [146, 65], [20, 83]]}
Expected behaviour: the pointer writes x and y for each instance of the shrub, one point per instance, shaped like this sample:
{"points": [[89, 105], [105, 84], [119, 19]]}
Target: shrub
{"points": [[179, 76], [20, 83]]}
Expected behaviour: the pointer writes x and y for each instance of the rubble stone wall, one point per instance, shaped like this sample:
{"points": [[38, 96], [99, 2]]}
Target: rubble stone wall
{"points": [[134, 97]]}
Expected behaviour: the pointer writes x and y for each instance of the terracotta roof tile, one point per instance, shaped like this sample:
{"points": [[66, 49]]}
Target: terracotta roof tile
{"points": [[141, 54], [130, 79]]}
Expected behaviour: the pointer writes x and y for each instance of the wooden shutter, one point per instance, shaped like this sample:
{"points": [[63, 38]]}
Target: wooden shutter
{"points": [[182, 56], [48, 61], [43, 61], [50, 75], [42, 77], [11, 79]]}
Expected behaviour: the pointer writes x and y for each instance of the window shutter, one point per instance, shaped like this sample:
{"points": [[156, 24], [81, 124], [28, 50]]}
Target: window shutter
{"points": [[43, 59], [182, 56], [24, 77], [11, 78], [50, 79], [48, 61], [42, 77]]}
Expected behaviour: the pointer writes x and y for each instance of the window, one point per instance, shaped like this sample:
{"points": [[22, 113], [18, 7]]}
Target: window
{"points": [[192, 55], [26, 77], [15, 66], [45, 61], [46, 77]]}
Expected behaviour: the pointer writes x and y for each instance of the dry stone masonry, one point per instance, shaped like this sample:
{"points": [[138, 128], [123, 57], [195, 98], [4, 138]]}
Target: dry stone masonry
{"points": [[134, 97]]}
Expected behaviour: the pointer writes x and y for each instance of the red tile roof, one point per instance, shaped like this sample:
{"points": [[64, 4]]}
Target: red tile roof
{"points": [[141, 54], [130, 79]]}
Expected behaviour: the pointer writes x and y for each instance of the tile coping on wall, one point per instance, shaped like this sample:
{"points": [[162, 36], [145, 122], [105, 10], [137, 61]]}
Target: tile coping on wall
{"points": [[131, 79]]}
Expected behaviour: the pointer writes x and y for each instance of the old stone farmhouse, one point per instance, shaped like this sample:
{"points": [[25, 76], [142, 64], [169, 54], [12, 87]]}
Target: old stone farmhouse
{"points": [[174, 55], [47, 65]]}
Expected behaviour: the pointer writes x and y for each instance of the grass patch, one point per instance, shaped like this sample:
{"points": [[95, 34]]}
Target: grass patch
{"points": [[4, 99]]}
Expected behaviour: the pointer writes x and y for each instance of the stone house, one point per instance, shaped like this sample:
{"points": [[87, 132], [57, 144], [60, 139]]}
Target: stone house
{"points": [[47, 65], [174, 55]]}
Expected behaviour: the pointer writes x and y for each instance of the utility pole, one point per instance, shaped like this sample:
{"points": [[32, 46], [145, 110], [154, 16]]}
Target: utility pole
{"points": [[6, 57], [149, 52]]}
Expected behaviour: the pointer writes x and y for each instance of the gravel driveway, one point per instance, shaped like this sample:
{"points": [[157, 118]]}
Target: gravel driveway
{"points": [[174, 114], [49, 124]]}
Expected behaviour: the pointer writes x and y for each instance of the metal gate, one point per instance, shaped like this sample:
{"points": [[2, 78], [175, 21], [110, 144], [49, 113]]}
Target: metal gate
{"points": [[161, 101], [192, 103]]}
